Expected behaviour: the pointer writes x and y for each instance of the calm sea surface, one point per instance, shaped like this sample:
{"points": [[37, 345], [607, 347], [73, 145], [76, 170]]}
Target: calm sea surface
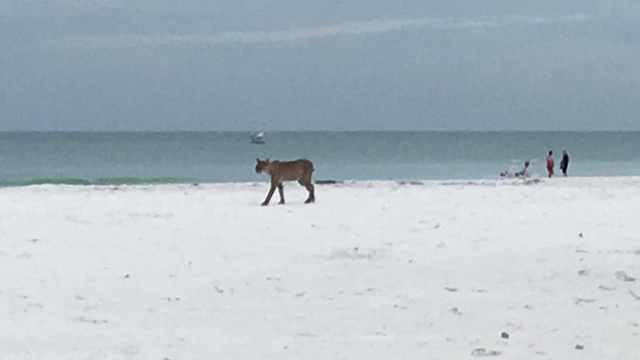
{"points": [[146, 158]]}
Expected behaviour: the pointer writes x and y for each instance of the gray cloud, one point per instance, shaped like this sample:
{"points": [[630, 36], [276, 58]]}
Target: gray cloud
{"points": [[299, 34]]}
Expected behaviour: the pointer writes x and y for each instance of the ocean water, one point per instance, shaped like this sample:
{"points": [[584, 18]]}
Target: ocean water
{"points": [[182, 157]]}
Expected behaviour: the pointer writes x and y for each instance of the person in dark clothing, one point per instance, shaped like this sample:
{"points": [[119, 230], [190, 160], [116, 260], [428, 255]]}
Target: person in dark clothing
{"points": [[564, 163], [524, 172]]}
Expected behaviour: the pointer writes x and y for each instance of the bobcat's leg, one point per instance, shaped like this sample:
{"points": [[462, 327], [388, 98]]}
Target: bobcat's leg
{"points": [[306, 182], [281, 192], [269, 195], [312, 194]]}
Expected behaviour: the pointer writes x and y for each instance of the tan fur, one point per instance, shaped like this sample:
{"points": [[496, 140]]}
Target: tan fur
{"points": [[298, 170]]}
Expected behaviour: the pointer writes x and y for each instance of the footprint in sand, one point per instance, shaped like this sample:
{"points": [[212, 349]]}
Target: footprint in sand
{"points": [[482, 352], [581, 300], [622, 276], [91, 321], [584, 272], [353, 254]]}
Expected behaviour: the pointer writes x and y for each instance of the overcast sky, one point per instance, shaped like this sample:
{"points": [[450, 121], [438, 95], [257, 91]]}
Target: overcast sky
{"points": [[319, 65]]}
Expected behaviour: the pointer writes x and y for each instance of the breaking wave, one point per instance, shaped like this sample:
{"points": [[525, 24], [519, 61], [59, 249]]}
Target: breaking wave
{"points": [[99, 181]]}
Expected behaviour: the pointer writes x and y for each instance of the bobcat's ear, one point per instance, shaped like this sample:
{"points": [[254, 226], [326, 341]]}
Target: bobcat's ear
{"points": [[257, 160]]}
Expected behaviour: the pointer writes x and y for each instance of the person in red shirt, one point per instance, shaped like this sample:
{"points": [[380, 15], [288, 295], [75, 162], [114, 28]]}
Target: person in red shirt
{"points": [[550, 164]]}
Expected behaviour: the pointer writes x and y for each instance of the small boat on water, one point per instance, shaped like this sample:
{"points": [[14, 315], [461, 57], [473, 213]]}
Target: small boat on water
{"points": [[257, 138]]}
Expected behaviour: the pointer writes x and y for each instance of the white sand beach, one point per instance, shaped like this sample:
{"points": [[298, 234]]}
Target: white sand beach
{"points": [[372, 270]]}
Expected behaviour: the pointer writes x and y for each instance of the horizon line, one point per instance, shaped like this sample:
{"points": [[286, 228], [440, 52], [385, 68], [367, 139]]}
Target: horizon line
{"points": [[314, 131]]}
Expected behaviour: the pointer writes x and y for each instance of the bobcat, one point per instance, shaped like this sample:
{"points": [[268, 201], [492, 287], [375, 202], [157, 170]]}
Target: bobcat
{"points": [[280, 171]]}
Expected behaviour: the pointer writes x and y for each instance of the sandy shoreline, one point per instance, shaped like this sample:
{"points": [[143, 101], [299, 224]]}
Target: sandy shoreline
{"points": [[380, 270]]}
